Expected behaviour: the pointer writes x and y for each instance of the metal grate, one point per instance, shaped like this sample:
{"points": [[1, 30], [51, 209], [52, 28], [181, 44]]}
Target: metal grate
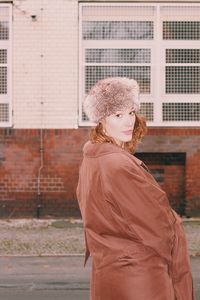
{"points": [[117, 11], [5, 64], [4, 112], [147, 110], [183, 11], [182, 79], [141, 74], [182, 55], [118, 30], [181, 111], [3, 56], [181, 30], [4, 30], [118, 56], [3, 80]]}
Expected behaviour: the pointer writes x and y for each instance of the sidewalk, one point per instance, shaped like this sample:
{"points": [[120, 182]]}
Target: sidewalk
{"points": [[50, 278], [63, 237]]}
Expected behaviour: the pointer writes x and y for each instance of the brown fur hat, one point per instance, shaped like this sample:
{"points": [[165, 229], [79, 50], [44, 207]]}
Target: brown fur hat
{"points": [[110, 95]]}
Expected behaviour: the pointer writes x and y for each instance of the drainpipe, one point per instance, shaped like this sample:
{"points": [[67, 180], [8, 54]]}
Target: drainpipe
{"points": [[39, 198], [41, 148]]}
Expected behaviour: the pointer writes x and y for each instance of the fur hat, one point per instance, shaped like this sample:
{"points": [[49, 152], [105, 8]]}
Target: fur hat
{"points": [[110, 95]]}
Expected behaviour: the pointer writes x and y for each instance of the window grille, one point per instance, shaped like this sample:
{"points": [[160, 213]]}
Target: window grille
{"points": [[183, 56], [4, 112], [156, 44], [117, 30], [182, 80], [147, 109], [181, 111], [180, 30], [95, 73], [5, 65], [118, 56]]}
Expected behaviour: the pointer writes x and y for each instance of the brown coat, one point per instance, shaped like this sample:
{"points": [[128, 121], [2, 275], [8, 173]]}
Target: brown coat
{"points": [[136, 240]]}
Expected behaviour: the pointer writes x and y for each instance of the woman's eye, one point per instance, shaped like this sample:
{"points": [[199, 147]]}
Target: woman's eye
{"points": [[118, 115], [132, 113]]}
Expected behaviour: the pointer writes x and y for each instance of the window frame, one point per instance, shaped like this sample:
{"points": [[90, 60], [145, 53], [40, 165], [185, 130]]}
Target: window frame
{"points": [[7, 44], [158, 46]]}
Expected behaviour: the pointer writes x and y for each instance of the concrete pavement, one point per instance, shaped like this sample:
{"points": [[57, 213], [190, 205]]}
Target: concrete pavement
{"points": [[54, 277]]}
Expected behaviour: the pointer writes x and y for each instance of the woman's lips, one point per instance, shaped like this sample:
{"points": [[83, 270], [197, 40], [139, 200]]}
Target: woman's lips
{"points": [[128, 132]]}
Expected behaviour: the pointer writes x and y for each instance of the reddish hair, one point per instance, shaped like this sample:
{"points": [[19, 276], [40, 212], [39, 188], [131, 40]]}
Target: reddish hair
{"points": [[97, 134]]}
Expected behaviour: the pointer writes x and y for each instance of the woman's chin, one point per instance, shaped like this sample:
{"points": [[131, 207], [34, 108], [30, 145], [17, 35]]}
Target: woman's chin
{"points": [[123, 140]]}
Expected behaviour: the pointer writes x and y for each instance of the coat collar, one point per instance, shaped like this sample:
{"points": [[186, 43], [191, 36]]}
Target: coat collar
{"points": [[99, 149]]}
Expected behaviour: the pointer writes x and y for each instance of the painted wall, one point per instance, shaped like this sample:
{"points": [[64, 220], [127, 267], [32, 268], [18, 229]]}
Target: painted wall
{"points": [[45, 64]]}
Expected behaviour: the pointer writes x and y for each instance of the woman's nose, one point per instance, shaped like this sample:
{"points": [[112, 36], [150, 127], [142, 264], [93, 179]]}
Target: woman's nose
{"points": [[129, 120]]}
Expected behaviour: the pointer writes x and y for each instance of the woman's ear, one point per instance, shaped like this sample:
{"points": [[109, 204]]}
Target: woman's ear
{"points": [[103, 124]]}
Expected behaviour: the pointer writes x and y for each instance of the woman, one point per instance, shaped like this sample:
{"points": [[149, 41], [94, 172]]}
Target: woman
{"points": [[136, 240]]}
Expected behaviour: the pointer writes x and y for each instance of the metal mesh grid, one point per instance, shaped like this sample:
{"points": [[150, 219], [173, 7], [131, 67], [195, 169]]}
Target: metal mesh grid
{"points": [[118, 56], [3, 80], [185, 11], [181, 30], [141, 74], [181, 111], [117, 11], [117, 30], [182, 55], [3, 56], [4, 23], [147, 110], [4, 30], [182, 79], [4, 112]]}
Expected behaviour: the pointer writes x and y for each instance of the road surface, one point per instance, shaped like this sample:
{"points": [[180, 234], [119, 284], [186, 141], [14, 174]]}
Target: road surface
{"points": [[54, 278]]}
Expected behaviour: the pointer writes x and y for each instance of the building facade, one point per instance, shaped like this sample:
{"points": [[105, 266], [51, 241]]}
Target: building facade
{"points": [[52, 52]]}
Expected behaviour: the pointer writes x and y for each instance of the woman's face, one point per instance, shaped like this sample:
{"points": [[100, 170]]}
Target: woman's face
{"points": [[120, 125]]}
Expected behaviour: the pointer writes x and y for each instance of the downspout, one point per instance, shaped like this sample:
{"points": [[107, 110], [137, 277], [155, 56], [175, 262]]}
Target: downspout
{"points": [[39, 199], [41, 148]]}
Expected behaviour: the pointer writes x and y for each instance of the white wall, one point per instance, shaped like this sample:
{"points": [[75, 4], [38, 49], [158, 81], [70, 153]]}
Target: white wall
{"points": [[45, 64]]}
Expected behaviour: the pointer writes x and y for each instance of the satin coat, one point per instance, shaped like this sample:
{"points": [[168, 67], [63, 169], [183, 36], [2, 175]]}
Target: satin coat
{"points": [[136, 240]]}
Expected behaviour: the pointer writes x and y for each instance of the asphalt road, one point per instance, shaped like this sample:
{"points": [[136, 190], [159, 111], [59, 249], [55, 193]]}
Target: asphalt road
{"points": [[54, 278]]}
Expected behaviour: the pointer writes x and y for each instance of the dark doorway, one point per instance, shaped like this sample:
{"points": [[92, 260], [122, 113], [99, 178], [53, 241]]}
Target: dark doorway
{"points": [[169, 171]]}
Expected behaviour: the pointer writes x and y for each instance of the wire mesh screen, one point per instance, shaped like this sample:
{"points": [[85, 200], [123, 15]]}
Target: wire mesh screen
{"points": [[118, 56], [4, 23], [3, 80], [147, 109], [180, 11], [181, 111], [117, 11], [182, 56], [182, 80], [181, 30], [95, 73], [3, 56], [4, 30], [118, 30], [4, 112], [5, 67]]}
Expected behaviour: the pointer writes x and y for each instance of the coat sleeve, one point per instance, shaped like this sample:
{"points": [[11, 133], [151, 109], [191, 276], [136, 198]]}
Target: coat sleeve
{"points": [[140, 202]]}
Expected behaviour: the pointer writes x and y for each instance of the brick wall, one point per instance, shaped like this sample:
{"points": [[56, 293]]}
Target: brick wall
{"points": [[22, 191], [21, 150], [180, 140]]}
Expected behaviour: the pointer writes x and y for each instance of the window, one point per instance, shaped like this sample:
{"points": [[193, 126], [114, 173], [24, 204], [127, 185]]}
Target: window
{"points": [[5, 65], [156, 44]]}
